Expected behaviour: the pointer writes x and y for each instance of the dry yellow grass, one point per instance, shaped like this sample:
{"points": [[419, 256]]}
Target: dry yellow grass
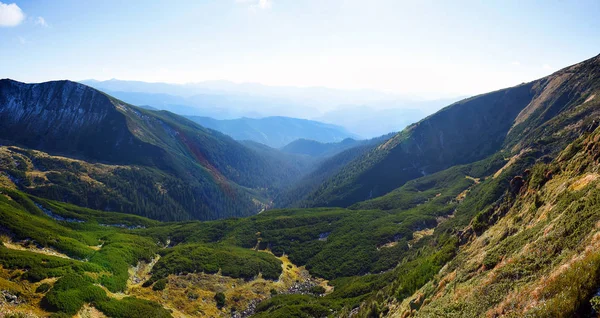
{"points": [[5, 182], [192, 295], [589, 99], [89, 311], [28, 246], [418, 235], [29, 300], [510, 162], [583, 182], [548, 92]]}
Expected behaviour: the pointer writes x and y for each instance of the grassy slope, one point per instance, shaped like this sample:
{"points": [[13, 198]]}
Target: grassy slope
{"points": [[183, 171], [546, 240], [468, 131]]}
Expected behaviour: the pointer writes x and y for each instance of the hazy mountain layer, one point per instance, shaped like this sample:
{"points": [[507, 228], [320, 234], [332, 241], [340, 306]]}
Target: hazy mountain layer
{"points": [[275, 132]]}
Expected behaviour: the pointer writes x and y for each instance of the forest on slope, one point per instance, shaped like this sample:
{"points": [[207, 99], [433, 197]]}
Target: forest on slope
{"points": [[79, 145], [464, 132]]}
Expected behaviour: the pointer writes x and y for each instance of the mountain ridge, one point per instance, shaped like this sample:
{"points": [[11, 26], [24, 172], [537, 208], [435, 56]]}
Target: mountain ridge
{"points": [[463, 132], [275, 131], [217, 168]]}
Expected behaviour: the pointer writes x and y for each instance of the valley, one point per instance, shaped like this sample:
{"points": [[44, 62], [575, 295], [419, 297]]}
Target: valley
{"points": [[486, 208]]}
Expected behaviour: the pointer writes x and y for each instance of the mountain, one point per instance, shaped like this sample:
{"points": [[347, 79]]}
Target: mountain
{"points": [[274, 131], [180, 170], [504, 221], [378, 118], [319, 149], [299, 96], [364, 112], [467, 131], [328, 163], [217, 105]]}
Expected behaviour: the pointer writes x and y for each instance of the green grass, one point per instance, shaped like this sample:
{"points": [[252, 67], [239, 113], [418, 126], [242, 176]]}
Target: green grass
{"points": [[211, 258]]}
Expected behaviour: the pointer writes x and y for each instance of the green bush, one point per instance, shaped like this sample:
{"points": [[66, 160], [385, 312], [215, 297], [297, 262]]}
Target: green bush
{"points": [[131, 307], [160, 284], [71, 292], [43, 288], [220, 299], [210, 258], [595, 302], [317, 290]]}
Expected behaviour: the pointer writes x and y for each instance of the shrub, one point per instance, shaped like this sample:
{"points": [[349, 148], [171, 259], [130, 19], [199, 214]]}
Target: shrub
{"points": [[160, 284], [43, 288], [220, 299], [595, 302], [131, 307], [72, 291], [317, 290]]}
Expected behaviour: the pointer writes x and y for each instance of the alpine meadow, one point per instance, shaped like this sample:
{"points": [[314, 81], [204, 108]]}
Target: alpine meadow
{"points": [[278, 158]]}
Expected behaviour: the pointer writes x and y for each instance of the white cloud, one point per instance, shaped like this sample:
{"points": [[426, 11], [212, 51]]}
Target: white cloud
{"points": [[516, 63], [41, 22], [546, 67], [10, 15], [257, 4], [264, 4]]}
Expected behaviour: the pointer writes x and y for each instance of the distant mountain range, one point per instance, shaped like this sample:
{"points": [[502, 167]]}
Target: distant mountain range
{"points": [[363, 112], [277, 131], [315, 148]]}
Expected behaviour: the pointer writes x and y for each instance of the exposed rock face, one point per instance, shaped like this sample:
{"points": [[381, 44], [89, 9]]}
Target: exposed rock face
{"points": [[66, 117]]}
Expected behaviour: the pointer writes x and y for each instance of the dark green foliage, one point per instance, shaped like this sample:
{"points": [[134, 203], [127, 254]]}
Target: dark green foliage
{"points": [[160, 284], [131, 307], [26, 221], [220, 299], [211, 258], [297, 194], [317, 290], [458, 134], [291, 306], [315, 148], [41, 266], [43, 288], [595, 303], [72, 291], [415, 273], [16, 315], [330, 242], [171, 168], [442, 186]]}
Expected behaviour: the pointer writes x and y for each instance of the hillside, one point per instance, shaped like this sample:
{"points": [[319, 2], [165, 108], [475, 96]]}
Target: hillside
{"points": [[325, 167], [315, 148], [513, 233], [202, 99], [540, 237], [180, 170], [469, 130], [275, 132]]}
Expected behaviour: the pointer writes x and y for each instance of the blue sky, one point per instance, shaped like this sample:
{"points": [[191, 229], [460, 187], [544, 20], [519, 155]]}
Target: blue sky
{"points": [[424, 48]]}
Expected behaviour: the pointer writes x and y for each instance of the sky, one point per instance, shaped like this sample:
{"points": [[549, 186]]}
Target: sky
{"points": [[420, 48]]}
